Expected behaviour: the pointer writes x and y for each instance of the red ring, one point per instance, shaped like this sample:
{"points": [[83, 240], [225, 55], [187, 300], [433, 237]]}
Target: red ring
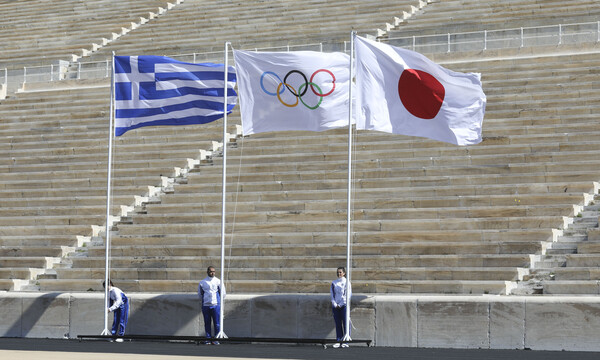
{"points": [[311, 80]]}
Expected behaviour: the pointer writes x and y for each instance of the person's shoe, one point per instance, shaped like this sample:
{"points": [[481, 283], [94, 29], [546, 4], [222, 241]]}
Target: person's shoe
{"points": [[336, 345], [119, 340], [344, 345], [207, 342], [216, 343]]}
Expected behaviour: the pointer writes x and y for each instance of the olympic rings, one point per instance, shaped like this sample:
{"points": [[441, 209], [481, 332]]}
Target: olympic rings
{"points": [[302, 89]]}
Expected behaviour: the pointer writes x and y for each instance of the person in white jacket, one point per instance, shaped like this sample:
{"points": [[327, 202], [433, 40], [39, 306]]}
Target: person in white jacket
{"points": [[119, 304], [339, 299], [209, 291]]}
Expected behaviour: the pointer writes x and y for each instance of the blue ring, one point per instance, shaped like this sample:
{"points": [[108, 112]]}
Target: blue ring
{"points": [[263, 87]]}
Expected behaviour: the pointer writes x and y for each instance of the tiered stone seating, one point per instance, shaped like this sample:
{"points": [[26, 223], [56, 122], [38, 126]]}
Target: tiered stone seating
{"points": [[200, 26], [40, 32], [53, 176], [428, 217], [570, 266], [461, 16]]}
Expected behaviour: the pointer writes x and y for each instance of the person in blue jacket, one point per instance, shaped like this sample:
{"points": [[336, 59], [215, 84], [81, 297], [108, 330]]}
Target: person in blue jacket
{"points": [[209, 291], [119, 304], [339, 299]]}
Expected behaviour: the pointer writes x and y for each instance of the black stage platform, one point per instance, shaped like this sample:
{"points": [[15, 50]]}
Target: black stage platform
{"points": [[201, 339], [167, 350]]}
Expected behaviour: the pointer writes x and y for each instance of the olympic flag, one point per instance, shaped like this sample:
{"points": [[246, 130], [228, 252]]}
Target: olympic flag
{"points": [[300, 90], [402, 92], [157, 90]]}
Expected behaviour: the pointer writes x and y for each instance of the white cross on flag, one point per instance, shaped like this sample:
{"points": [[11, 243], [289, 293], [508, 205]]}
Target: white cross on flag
{"points": [[402, 92]]}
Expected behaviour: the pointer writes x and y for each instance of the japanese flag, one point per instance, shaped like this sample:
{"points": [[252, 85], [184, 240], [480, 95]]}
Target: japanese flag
{"points": [[402, 92]]}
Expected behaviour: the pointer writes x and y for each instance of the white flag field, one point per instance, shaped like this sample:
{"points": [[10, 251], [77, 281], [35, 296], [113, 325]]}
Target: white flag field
{"points": [[402, 92], [301, 90]]}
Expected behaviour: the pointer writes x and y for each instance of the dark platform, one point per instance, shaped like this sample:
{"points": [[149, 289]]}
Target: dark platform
{"points": [[202, 339]]}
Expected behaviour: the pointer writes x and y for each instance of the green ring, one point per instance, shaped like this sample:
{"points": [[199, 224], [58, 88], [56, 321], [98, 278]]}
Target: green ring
{"points": [[320, 97]]}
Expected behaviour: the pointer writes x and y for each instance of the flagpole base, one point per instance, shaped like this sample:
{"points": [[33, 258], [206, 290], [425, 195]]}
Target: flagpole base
{"points": [[346, 338], [221, 335], [105, 332]]}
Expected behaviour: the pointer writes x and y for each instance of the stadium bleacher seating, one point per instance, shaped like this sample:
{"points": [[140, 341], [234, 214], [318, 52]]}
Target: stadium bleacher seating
{"points": [[428, 217], [42, 32]]}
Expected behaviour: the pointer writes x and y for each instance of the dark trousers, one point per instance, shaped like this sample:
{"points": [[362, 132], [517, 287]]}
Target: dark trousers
{"points": [[339, 316], [120, 319], [212, 313]]}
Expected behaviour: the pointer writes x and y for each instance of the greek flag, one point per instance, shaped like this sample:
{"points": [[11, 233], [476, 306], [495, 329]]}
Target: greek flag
{"points": [[157, 90]]}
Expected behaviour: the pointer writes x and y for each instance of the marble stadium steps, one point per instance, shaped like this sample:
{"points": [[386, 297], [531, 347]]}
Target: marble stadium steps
{"points": [[366, 189], [580, 274], [268, 267], [73, 183], [176, 201], [164, 35], [138, 249], [336, 237], [419, 279], [501, 70], [37, 229], [268, 286], [53, 186], [573, 267], [331, 262], [24, 257], [316, 208], [372, 220], [31, 251], [17, 271], [513, 163], [66, 191], [524, 139], [423, 273], [287, 179], [473, 15], [52, 121], [294, 274], [21, 273], [547, 222], [367, 147], [68, 27], [61, 205]]}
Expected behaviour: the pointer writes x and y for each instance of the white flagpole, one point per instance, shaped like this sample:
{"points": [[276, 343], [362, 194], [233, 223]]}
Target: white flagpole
{"points": [[108, 189], [349, 209], [221, 333]]}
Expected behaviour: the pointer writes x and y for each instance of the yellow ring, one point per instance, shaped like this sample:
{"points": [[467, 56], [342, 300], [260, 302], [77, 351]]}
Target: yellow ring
{"points": [[279, 97]]}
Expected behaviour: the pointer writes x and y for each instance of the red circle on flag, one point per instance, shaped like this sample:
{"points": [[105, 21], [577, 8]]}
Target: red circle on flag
{"points": [[421, 93]]}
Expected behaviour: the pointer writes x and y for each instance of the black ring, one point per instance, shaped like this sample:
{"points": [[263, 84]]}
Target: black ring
{"points": [[292, 90]]}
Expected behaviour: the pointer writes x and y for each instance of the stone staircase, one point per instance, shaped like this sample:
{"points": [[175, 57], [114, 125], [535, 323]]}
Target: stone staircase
{"points": [[556, 271]]}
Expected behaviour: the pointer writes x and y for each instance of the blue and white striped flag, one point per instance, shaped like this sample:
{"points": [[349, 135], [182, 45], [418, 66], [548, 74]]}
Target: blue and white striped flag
{"points": [[157, 90]]}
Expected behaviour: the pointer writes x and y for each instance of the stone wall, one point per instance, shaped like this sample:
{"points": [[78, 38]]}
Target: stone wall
{"points": [[497, 322]]}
